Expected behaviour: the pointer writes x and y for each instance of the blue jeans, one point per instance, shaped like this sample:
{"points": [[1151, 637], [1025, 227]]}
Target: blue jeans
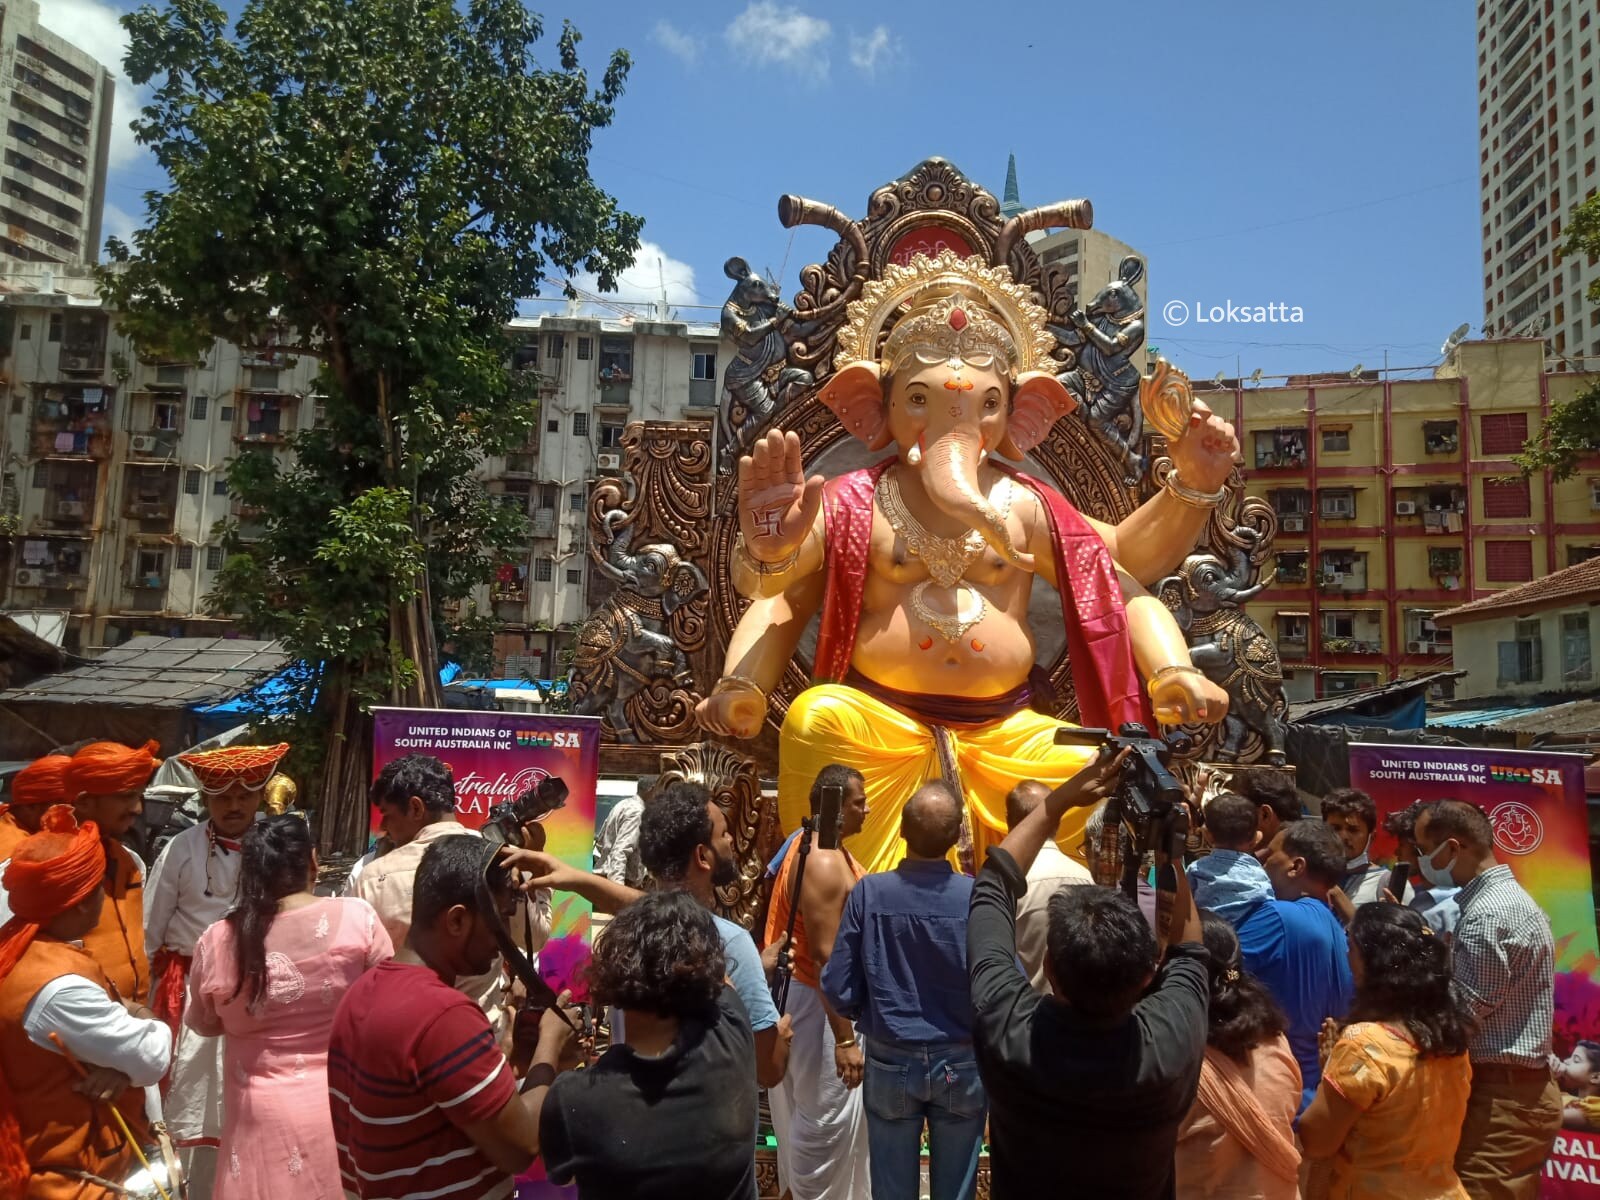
{"points": [[906, 1085]]}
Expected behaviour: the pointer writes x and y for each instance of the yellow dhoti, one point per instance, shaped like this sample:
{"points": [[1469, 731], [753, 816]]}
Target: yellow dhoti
{"points": [[897, 754]]}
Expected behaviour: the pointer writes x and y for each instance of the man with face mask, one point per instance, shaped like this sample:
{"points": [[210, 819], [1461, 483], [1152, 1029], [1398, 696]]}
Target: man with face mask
{"points": [[1503, 959], [1352, 814]]}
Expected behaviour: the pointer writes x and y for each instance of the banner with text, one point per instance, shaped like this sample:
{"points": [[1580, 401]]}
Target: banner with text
{"points": [[1536, 802]]}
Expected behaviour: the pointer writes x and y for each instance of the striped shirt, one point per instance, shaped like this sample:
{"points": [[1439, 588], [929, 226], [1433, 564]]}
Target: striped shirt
{"points": [[411, 1060], [1503, 958]]}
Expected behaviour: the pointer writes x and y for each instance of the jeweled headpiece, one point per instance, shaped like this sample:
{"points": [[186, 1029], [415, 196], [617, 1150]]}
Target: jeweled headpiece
{"points": [[947, 308]]}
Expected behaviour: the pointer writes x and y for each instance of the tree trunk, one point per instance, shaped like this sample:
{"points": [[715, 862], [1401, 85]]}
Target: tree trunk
{"points": [[346, 769]]}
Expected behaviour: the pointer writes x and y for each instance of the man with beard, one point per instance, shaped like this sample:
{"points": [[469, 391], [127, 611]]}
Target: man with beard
{"points": [[684, 842]]}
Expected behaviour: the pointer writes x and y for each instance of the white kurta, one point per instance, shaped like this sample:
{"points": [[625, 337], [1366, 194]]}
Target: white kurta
{"points": [[820, 1123], [193, 885]]}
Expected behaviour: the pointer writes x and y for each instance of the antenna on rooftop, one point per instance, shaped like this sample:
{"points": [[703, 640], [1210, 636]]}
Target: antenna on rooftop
{"points": [[1457, 336], [1355, 371], [1255, 376]]}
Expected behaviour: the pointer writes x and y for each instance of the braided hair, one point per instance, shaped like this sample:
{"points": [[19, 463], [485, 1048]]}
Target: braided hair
{"points": [[275, 859], [1241, 1014]]}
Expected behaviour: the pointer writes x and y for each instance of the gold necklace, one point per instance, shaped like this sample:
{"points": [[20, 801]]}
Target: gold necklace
{"points": [[947, 559], [952, 628]]}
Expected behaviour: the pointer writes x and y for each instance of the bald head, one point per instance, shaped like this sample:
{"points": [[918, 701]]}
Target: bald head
{"points": [[931, 822], [1023, 799]]}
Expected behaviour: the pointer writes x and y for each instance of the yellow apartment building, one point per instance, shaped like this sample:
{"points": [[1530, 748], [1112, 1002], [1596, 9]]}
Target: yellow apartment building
{"points": [[1396, 498]]}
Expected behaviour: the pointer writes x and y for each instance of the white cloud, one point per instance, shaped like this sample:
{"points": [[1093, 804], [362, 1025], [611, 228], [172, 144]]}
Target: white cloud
{"points": [[765, 33], [118, 223], [93, 26], [676, 42], [638, 287], [870, 51]]}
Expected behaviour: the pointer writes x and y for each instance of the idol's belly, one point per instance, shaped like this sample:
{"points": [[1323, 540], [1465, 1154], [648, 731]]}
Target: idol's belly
{"points": [[899, 648]]}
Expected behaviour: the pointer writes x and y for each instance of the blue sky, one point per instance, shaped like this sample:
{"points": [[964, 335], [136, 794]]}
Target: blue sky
{"points": [[1320, 156]]}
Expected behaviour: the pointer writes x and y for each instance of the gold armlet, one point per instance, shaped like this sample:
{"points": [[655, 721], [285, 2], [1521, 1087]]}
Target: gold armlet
{"points": [[1191, 497]]}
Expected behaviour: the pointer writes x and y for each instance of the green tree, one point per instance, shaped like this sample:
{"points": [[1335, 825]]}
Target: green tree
{"points": [[373, 184], [1572, 431]]}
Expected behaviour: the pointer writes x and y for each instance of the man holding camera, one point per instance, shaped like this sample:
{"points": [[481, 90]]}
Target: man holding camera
{"points": [[416, 797], [817, 1111], [1090, 1083]]}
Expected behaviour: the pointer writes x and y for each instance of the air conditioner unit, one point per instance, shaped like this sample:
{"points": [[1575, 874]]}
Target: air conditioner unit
{"points": [[69, 508], [1414, 647], [1405, 508], [26, 578], [1294, 524], [609, 462], [144, 443]]}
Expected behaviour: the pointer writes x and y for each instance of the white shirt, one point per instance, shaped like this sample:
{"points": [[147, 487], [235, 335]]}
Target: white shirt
{"points": [[1365, 881], [177, 909], [98, 1030], [1051, 871], [361, 864], [616, 847]]}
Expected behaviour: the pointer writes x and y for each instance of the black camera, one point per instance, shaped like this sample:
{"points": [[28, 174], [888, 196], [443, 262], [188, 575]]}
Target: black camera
{"points": [[504, 824], [1149, 802]]}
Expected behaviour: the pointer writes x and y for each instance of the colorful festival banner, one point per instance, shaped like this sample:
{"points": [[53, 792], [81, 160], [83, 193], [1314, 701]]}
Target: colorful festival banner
{"points": [[1537, 805]]}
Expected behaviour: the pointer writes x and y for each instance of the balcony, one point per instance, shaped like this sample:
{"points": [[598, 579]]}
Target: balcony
{"points": [[71, 421], [1294, 634], [263, 418], [150, 497], [1280, 449], [144, 586], [52, 565], [1291, 568], [1349, 645], [1441, 437]]}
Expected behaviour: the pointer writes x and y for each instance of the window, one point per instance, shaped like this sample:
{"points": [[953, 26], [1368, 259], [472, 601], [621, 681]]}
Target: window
{"points": [[1291, 566], [185, 558], [191, 483], [167, 418], [574, 576], [225, 413], [1502, 433], [580, 424], [1335, 441], [1441, 437], [41, 475], [197, 408], [1280, 448], [543, 569], [1336, 683], [1575, 663], [55, 327], [172, 374], [525, 356], [214, 558], [1578, 554], [705, 365], [27, 332], [1507, 498], [616, 359], [1291, 502], [1444, 560], [611, 437], [552, 426], [575, 501], [557, 346], [585, 349], [547, 495], [219, 487], [264, 379], [1508, 562], [1337, 504], [1522, 660]]}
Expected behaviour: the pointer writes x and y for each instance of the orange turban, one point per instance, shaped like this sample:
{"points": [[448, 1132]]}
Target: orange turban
{"points": [[105, 768], [43, 781]]}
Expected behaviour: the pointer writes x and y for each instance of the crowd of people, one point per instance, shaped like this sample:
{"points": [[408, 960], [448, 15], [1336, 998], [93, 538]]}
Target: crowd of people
{"points": [[1299, 1022]]}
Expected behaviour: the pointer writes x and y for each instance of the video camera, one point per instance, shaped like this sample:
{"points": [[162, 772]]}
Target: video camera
{"points": [[504, 825], [1149, 802]]}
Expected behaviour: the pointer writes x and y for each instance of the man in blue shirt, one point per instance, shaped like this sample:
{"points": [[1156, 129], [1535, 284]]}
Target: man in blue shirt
{"points": [[899, 969], [1295, 945]]}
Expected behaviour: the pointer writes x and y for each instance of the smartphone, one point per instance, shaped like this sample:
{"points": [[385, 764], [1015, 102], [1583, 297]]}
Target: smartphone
{"points": [[830, 817]]}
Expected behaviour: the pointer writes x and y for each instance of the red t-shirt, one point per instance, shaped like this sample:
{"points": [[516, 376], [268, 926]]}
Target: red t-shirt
{"points": [[410, 1061]]}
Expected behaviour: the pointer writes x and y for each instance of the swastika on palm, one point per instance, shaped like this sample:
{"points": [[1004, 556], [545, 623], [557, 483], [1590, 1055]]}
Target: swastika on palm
{"points": [[768, 522]]}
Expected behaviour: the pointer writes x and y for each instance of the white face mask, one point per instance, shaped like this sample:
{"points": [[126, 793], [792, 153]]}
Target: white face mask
{"points": [[1360, 860], [1437, 876]]}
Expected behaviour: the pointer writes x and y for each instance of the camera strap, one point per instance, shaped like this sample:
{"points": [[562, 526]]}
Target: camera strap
{"points": [[540, 994]]}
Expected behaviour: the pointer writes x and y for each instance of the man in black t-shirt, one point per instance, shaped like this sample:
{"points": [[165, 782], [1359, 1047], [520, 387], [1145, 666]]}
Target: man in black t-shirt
{"points": [[1087, 1086], [668, 1112]]}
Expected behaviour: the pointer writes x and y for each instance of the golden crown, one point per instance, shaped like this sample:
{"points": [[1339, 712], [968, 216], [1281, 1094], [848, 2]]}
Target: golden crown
{"points": [[947, 308]]}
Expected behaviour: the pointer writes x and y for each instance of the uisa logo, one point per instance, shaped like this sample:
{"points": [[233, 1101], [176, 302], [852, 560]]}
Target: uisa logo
{"points": [[527, 739], [1531, 775]]}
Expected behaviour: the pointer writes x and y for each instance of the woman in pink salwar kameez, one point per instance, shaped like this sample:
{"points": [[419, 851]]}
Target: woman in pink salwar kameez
{"points": [[270, 975]]}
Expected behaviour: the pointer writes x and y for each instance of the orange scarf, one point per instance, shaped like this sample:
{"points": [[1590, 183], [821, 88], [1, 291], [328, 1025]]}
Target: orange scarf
{"points": [[1230, 1099]]}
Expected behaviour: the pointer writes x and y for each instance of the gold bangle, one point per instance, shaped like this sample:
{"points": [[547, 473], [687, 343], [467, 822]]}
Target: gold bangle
{"points": [[1191, 497], [739, 683], [752, 563], [844, 1045], [1176, 669]]}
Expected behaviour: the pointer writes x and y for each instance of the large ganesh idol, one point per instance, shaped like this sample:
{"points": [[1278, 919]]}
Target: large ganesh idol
{"points": [[922, 565]]}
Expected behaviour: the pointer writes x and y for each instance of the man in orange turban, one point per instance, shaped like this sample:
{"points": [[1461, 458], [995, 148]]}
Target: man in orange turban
{"points": [[54, 1136], [33, 789], [106, 782]]}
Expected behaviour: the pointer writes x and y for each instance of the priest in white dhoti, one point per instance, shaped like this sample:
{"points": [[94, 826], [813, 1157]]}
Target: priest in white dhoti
{"points": [[194, 884]]}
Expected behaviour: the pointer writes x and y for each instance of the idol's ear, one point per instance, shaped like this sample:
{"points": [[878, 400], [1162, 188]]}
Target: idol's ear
{"points": [[1037, 402], [855, 394]]}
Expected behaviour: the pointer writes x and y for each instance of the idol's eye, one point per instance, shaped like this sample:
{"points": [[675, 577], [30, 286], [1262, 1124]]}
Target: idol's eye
{"points": [[917, 397], [991, 402]]}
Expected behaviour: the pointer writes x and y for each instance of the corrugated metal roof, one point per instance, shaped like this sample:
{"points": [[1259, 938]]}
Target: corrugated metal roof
{"points": [[158, 673], [1474, 718]]}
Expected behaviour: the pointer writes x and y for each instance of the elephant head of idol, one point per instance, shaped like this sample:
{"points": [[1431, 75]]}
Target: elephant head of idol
{"points": [[949, 360]]}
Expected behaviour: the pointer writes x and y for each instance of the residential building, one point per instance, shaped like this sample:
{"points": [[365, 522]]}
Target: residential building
{"points": [[55, 107], [1530, 640], [1536, 135], [1091, 258], [114, 468], [1396, 499]]}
